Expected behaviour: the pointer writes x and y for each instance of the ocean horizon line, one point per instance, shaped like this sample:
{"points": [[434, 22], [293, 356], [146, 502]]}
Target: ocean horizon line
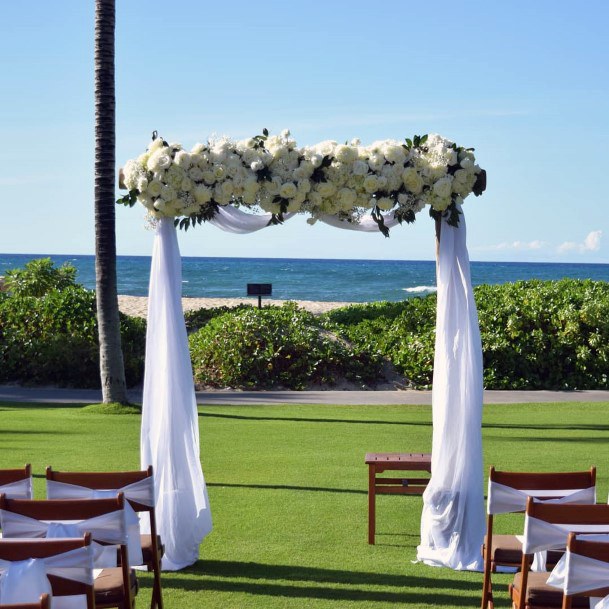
{"points": [[298, 259]]}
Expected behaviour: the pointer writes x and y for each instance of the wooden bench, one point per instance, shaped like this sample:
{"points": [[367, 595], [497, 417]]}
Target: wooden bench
{"points": [[381, 462]]}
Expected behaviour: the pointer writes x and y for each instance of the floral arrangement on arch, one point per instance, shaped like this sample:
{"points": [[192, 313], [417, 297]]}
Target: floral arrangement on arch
{"points": [[271, 173]]}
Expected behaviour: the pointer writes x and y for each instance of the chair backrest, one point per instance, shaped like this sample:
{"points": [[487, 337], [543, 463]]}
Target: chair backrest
{"points": [[19, 518], [137, 486], [102, 481], [69, 573], [43, 603], [547, 527], [508, 491], [16, 483], [585, 571]]}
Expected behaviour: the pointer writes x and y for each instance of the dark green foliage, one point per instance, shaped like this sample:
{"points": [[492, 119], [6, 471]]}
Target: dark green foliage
{"points": [[48, 331], [39, 277], [275, 347], [195, 320], [535, 334]]}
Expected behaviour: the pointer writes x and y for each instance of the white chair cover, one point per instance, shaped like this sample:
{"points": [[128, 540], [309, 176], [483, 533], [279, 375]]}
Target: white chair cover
{"points": [[170, 426], [141, 491], [575, 573], [108, 528], [504, 499], [452, 521], [540, 536], [20, 489], [24, 581]]}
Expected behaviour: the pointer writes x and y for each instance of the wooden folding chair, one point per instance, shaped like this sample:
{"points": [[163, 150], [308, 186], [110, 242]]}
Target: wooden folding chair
{"points": [[152, 547], [591, 583], [114, 586], [16, 483], [13, 550], [508, 493], [547, 526], [43, 603]]}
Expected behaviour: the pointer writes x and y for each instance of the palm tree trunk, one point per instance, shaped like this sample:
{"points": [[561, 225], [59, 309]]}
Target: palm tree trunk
{"points": [[112, 369]]}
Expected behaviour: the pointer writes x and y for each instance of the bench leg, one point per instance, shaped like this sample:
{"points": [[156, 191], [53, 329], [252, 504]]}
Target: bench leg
{"points": [[371, 503]]}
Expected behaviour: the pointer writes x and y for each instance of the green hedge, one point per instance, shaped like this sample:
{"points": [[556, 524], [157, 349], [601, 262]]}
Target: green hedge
{"points": [[48, 330], [535, 334], [275, 347]]}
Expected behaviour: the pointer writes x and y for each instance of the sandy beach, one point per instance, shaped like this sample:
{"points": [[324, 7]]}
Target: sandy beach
{"points": [[136, 306]]}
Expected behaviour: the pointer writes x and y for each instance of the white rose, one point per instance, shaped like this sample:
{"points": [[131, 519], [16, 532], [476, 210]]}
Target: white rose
{"points": [[304, 186], [440, 204], [218, 172], [195, 173], [443, 187], [316, 160], [385, 203], [155, 145], [159, 160], [371, 184], [314, 198], [287, 190], [347, 197], [198, 148], [182, 159], [154, 188], [257, 165], [412, 180], [360, 168], [186, 185], [326, 189], [142, 184], [395, 154], [345, 154]]}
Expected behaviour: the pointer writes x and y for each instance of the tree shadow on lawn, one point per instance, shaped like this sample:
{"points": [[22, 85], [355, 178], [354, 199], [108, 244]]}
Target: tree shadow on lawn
{"points": [[7, 406], [440, 590], [310, 420], [286, 487]]}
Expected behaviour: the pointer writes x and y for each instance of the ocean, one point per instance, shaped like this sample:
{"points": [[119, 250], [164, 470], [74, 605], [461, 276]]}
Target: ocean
{"points": [[319, 280]]}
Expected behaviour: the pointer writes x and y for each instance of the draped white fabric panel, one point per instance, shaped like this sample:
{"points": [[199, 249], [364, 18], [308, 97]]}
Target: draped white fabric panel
{"points": [[452, 521], [25, 580], [504, 499], [20, 489], [170, 425], [234, 220]]}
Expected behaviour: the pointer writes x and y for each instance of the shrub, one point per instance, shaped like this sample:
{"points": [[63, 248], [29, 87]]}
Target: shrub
{"points": [[535, 334], [39, 277], [195, 320], [48, 332], [275, 347]]}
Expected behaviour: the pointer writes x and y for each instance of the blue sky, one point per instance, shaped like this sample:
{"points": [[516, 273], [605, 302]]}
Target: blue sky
{"points": [[524, 83]]}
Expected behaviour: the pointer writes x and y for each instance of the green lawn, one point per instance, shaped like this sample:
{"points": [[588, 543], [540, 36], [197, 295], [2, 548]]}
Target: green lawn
{"points": [[288, 485]]}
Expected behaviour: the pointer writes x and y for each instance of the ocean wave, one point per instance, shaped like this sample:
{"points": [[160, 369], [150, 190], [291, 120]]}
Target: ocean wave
{"points": [[421, 288]]}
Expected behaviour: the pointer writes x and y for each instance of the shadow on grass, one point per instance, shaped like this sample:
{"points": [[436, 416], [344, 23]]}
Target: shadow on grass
{"points": [[287, 487], [36, 432], [6, 405], [440, 590], [309, 420], [562, 439]]}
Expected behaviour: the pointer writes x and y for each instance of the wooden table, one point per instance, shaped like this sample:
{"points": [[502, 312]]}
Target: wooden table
{"points": [[380, 462]]}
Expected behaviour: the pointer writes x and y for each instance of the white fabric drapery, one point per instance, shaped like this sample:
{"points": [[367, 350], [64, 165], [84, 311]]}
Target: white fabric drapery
{"points": [[142, 491], [452, 524], [170, 427], [25, 580], [20, 489], [452, 521], [504, 499]]}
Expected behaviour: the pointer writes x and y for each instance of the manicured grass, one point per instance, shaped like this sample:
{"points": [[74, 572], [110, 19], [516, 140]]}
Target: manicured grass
{"points": [[288, 488]]}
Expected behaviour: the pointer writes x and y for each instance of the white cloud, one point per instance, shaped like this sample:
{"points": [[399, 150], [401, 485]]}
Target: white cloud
{"points": [[514, 245], [592, 243]]}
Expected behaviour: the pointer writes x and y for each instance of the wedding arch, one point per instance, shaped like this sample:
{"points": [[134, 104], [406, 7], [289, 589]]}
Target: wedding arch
{"points": [[245, 186]]}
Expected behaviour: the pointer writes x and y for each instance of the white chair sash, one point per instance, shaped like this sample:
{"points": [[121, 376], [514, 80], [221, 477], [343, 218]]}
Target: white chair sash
{"points": [[20, 489], [504, 499], [540, 536], [108, 528], [140, 492], [25, 580]]}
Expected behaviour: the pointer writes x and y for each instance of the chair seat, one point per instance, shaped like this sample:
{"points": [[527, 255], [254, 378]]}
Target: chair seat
{"points": [[540, 594], [108, 586], [147, 548], [507, 551]]}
